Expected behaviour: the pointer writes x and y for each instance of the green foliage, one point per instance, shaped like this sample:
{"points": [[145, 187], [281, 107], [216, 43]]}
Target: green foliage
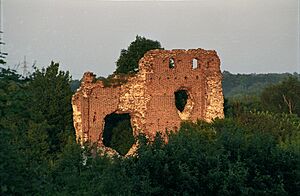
{"points": [[2, 61], [11, 172], [75, 84], [234, 107], [283, 127], [239, 85], [25, 140], [50, 90], [27, 120], [122, 137], [128, 60], [11, 102], [68, 168], [12, 96], [283, 97], [115, 79], [248, 153], [223, 158], [118, 133], [2, 54]]}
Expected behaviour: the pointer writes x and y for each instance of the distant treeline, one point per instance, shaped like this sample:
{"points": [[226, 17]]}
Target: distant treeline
{"points": [[237, 85]]}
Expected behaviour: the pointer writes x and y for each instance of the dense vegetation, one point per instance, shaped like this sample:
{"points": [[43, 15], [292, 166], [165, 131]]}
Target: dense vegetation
{"points": [[2, 54], [255, 150], [128, 60], [239, 85], [36, 124], [248, 153]]}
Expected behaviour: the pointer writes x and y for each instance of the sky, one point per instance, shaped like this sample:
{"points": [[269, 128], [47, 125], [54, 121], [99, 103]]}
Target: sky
{"points": [[250, 36]]}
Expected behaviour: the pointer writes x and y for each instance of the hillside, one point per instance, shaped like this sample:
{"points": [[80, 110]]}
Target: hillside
{"points": [[236, 85]]}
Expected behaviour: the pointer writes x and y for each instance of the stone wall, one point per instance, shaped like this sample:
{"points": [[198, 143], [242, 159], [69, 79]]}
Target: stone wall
{"points": [[148, 96]]}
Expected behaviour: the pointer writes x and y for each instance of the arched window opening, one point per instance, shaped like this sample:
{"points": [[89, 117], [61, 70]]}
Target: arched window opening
{"points": [[195, 63], [181, 97], [117, 133], [171, 63]]}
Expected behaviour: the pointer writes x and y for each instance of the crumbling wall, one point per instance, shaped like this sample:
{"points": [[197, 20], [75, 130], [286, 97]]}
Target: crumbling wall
{"points": [[149, 97]]}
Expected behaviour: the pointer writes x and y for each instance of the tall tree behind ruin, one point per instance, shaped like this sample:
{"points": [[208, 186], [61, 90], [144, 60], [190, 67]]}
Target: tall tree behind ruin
{"points": [[128, 60]]}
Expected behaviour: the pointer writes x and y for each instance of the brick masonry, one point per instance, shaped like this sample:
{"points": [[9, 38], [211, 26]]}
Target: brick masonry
{"points": [[148, 96]]}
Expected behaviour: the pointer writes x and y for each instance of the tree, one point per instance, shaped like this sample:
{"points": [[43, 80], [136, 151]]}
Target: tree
{"points": [[239, 85], [51, 94], [2, 54], [283, 97], [24, 145], [128, 60]]}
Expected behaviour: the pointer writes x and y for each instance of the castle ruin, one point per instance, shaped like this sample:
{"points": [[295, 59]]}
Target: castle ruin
{"points": [[149, 95]]}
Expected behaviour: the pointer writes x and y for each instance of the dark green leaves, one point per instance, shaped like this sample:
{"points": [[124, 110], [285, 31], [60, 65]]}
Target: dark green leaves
{"points": [[51, 94], [283, 97], [128, 60]]}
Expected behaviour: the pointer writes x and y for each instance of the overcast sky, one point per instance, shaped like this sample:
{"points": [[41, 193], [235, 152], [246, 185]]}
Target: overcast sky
{"points": [[250, 36]]}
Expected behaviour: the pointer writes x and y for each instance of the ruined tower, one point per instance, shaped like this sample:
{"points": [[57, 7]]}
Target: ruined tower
{"points": [[149, 95]]}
